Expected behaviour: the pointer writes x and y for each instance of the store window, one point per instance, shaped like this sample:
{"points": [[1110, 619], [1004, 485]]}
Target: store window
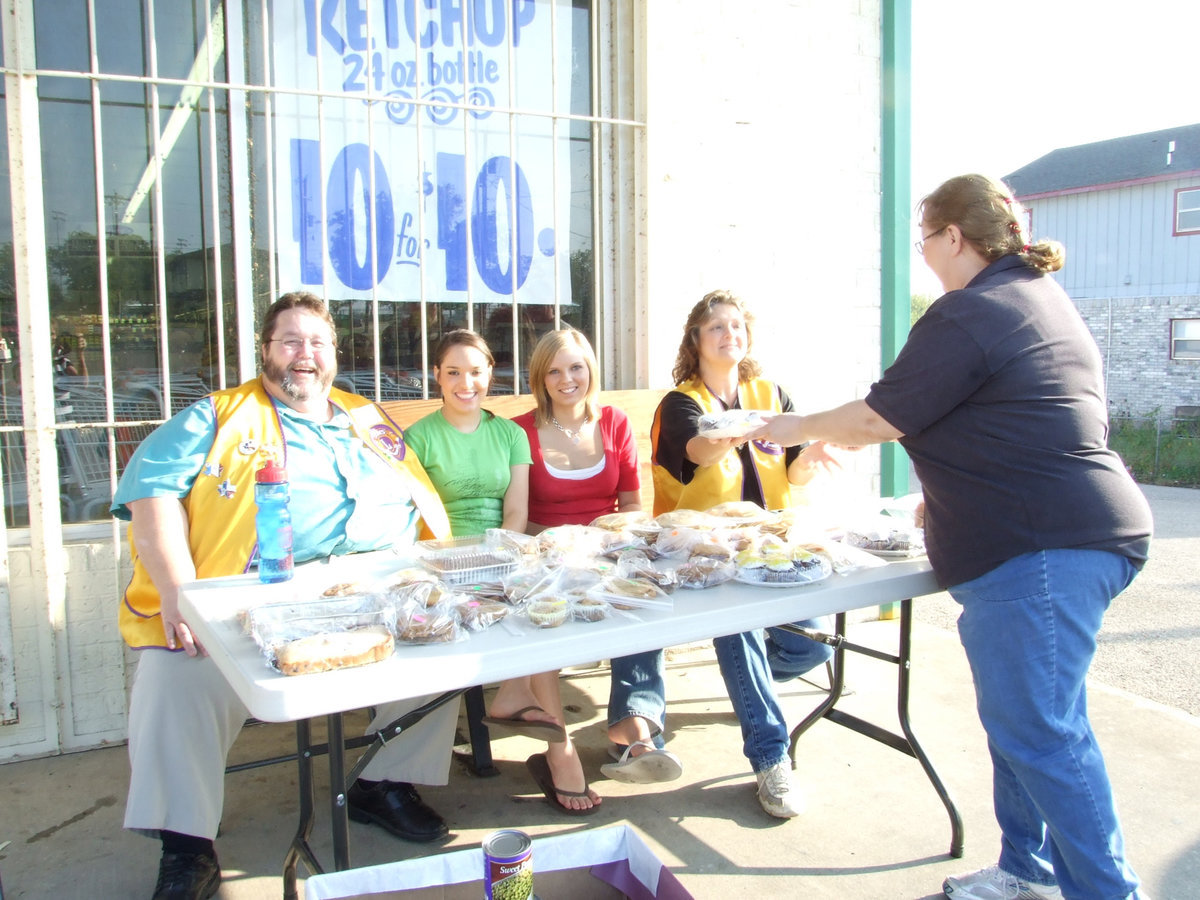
{"points": [[1185, 339], [422, 164]]}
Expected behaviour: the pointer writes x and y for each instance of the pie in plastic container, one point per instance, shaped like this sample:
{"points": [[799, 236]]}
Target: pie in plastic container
{"points": [[729, 423]]}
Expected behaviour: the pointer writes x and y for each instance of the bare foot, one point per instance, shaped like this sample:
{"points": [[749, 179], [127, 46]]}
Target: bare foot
{"points": [[631, 732], [516, 695], [567, 772]]}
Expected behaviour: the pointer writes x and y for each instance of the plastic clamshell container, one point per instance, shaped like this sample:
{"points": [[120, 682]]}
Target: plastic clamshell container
{"points": [[276, 624], [466, 560]]}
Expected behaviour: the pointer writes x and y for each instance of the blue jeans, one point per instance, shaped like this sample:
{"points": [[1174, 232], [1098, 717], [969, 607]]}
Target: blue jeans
{"points": [[748, 663], [1029, 630], [748, 666], [792, 655], [637, 687]]}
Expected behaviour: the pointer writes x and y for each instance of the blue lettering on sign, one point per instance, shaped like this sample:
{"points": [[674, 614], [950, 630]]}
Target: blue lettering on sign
{"points": [[452, 221], [486, 23], [495, 175], [500, 196], [350, 166], [452, 217], [306, 208]]}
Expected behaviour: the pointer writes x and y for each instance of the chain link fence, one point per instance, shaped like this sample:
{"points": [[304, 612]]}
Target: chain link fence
{"points": [[1158, 451]]}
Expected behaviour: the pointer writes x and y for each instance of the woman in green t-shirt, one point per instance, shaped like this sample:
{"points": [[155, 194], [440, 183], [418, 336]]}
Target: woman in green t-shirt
{"points": [[479, 463]]}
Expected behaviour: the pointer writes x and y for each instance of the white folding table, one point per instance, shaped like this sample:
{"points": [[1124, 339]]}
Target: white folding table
{"points": [[211, 607]]}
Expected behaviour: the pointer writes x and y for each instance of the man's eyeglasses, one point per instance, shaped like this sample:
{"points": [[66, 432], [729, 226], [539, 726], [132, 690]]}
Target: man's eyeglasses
{"points": [[920, 245], [295, 345]]}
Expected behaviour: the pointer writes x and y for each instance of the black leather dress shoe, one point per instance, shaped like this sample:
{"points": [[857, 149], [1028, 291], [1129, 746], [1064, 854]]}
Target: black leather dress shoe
{"points": [[187, 876], [397, 807]]}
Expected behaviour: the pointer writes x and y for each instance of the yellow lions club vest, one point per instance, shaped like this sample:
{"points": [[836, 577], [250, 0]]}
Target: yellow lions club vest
{"points": [[723, 480], [221, 531]]}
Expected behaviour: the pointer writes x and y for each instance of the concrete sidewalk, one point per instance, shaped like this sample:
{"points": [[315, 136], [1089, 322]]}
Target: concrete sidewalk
{"points": [[874, 826]]}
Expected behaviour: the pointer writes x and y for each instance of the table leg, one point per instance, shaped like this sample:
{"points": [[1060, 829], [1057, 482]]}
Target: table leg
{"points": [[338, 813], [906, 743], [481, 741], [956, 824], [339, 783], [300, 846]]}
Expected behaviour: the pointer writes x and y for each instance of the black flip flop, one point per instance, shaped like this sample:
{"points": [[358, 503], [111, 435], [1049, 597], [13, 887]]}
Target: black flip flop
{"points": [[539, 768], [545, 731]]}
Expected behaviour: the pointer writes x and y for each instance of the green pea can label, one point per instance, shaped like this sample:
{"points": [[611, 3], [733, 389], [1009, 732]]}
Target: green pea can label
{"points": [[508, 866]]}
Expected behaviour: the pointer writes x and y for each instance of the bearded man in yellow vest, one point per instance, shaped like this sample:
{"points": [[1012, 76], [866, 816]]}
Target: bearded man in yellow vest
{"points": [[188, 493], [715, 372]]}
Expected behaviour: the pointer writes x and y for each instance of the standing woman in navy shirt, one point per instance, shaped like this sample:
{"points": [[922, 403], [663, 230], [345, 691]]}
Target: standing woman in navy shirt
{"points": [[1031, 523]]}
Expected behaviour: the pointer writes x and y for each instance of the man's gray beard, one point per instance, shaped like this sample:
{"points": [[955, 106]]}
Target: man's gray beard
{"points": [[283, 379]]}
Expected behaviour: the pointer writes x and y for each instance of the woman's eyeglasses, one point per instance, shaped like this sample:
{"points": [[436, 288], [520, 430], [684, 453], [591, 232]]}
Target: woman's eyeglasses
{"points": [[920, 245]]}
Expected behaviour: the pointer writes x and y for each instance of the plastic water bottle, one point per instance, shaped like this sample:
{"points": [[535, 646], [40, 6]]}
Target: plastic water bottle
{"points": [[273, 523]]}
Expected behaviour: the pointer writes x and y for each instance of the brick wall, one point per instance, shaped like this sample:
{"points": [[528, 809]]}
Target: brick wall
{"points": [[1134, 336]]}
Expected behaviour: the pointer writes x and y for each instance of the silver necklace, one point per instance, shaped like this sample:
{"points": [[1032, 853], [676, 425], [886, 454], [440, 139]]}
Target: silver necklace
{"points": [[574, 436]]}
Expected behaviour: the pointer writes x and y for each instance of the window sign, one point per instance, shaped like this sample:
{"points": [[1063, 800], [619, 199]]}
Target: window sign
{"points": [[432, 171]]}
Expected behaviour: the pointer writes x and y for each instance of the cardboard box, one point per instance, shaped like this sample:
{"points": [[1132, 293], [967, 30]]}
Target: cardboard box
{"points": [[589, 865]]}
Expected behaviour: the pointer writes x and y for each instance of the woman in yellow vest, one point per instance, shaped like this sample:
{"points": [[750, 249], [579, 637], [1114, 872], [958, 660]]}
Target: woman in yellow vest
{"points": [[714, 372]]}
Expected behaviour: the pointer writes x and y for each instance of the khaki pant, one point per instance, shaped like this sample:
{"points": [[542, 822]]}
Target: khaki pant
{"points": [[184, 717]]}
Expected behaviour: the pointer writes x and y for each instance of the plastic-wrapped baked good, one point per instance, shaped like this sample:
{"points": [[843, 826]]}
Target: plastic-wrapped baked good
{"points": [[273, 625], [622, 521], [705, 571], [476, 614], [467, 560], [432, 626], [342, 589], [427, 593], [631, 592], [638, 564], [525, 546], [520, 584], [687, 518], [729, 423], [568, 543], [334, 650], [886, 536], [791, 566], [677, 542], [590, 609], [714, 548], [740, 511], [547, 610]]}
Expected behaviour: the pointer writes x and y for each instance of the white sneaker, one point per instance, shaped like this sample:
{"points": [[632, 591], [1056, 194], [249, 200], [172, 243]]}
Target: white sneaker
{"points": [[993, 883], [776, 794]]}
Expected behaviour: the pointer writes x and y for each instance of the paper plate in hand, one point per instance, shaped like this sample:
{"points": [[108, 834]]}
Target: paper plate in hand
{"points": [[729, 423]]}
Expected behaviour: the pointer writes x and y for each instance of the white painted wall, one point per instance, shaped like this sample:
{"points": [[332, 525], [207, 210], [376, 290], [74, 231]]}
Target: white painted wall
{"points": [[763, 177]]}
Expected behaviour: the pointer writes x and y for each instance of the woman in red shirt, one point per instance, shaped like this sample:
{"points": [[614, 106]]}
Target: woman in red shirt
{"points": [[584, 456], [585, 465]]}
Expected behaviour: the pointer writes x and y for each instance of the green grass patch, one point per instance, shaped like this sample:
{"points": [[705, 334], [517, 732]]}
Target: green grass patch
{"points": [[1158, 453]]}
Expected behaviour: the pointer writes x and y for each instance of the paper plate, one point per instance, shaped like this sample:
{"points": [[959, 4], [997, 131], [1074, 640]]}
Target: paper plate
{"points": [[778, 584]]}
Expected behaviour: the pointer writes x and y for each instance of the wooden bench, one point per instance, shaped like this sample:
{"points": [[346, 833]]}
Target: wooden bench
{"points": [[638, 405]]}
